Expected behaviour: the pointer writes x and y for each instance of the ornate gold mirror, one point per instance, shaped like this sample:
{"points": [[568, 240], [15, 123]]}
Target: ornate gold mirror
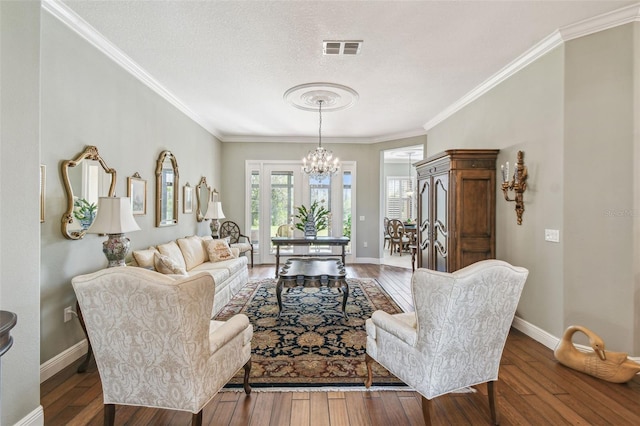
{"points": [[203, 194], [86, 178], [166, 189]]}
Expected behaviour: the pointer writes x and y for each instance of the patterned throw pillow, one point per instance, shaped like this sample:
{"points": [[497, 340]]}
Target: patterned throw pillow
{"points": [[166, 265], [219, 250]]}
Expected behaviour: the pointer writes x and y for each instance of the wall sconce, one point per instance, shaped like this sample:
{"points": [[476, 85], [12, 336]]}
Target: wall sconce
{"points": [[518, 184]]}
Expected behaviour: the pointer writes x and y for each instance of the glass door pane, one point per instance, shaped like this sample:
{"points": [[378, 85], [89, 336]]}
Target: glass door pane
{"points": [[282, 204]]}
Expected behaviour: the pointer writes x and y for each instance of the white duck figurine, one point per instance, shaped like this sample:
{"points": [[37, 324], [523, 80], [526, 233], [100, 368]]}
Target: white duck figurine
{"points": [[613, 367]]}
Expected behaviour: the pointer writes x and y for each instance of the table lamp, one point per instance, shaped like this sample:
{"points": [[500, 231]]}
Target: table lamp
{"points": [[114, 218], [214, 212]]}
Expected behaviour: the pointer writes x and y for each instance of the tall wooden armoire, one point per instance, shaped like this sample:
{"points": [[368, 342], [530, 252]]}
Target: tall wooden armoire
{"points": [[456, 208]]}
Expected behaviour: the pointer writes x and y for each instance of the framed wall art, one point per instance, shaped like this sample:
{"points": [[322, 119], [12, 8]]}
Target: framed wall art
{"points": [[187, 199], [137, 192]]}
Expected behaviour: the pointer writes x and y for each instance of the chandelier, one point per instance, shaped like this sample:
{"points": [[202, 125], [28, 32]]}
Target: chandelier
{"points": [[319, 163]]}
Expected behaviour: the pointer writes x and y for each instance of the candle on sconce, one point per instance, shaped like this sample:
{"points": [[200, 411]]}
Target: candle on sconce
{"points": [[507, 173], [502, 172]]}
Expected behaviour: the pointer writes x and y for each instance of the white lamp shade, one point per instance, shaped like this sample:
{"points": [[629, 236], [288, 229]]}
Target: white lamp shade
{"points": [[214, 210], [114, 217]]}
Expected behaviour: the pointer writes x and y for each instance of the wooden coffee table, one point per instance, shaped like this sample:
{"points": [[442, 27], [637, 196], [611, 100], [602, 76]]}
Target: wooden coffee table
{"points": [[310, 272]]}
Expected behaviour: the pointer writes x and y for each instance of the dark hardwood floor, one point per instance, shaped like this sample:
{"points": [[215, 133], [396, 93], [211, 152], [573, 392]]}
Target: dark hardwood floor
{"points": [[533, 390]]}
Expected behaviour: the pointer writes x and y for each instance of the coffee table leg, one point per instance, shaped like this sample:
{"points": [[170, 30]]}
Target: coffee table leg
{"points": [[345, 295], [277, 259], [279, 296]]}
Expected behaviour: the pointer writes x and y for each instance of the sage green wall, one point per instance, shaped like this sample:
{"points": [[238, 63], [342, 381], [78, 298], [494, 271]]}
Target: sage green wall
{"points": [[599, 186], [19, 208], [87, 99], [571, 112], [368, 179]]}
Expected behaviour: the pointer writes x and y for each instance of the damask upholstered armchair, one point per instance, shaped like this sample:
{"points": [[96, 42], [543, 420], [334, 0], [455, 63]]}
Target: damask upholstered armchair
{"points": [[456, 335], [231, 230], [154, 343]]}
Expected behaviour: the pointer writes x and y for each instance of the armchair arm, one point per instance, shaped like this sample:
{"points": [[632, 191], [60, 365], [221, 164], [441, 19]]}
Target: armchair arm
{"points": [[248, 240], [220, 336], [401, 326]]}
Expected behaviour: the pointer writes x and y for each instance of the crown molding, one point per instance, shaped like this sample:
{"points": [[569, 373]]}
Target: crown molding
{"points": [[588, 26], [73, 21], [332, 140], [293, 139], [602, 22]]}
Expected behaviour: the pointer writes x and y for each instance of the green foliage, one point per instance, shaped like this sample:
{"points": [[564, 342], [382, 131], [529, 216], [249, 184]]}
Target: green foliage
{"points": [[316, 213], [82, 209], [346, 230]]}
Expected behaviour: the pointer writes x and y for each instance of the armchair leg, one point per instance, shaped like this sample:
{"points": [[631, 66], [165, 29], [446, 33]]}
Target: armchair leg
{"points": [[426, 411], [252, 258], [493, 409], [247, 371], [196, 420], [368, 360], [109, 414]]}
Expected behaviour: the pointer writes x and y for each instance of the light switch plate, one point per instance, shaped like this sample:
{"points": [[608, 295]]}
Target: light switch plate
{"points": [[552, 235]]}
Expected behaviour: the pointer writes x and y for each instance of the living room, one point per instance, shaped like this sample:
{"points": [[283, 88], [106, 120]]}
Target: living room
{"points": [[571, 107]]}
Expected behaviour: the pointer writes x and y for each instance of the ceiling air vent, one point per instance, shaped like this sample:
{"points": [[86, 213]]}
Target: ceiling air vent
{"points": [[341, 47]]}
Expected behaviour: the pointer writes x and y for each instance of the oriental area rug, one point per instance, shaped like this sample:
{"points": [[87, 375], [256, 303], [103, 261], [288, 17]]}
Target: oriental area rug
{"points": [[311, 345]]}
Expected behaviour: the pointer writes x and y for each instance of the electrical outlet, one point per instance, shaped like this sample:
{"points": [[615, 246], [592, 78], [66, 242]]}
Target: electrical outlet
{"points": [[365, 244], [68, 313], [552, 235]]}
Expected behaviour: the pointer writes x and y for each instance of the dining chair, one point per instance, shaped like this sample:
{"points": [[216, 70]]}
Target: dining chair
{"points": [[397, 237]]}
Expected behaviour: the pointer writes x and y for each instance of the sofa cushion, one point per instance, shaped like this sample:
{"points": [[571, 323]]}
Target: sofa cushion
{"points": [[166, 265], [193, 251], [243, 247], [172, 250], [219, 250], [220, 275], [144, 258]]}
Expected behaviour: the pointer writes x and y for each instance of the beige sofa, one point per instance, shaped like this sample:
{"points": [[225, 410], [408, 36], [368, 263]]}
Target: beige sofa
{"points": [[191, 255]]}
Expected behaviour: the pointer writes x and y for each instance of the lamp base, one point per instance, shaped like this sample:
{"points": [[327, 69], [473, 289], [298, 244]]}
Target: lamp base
{"points": [[215, 228], [116, 248]]}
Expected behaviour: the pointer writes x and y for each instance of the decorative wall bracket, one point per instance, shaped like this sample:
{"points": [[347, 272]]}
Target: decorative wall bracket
{"points": [[517, 184]]}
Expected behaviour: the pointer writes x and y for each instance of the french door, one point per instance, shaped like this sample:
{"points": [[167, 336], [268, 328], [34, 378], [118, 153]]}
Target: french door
{"points": [[276, 189]]}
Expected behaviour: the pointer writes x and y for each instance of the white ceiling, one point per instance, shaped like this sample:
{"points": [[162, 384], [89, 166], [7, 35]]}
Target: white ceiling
{"points": [[228, 63]]}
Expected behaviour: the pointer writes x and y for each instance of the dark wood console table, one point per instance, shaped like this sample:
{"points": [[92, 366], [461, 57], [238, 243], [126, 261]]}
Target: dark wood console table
{"points": [[304, 241], [310, 272]]}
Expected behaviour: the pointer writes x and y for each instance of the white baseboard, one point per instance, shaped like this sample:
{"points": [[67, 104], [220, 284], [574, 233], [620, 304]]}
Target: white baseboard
{"points": [[536, 333], [372, 260], [34, 418], [62, 360]]}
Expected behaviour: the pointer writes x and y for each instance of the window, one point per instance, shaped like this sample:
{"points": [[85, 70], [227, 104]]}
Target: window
{"points": [[399, 203]]}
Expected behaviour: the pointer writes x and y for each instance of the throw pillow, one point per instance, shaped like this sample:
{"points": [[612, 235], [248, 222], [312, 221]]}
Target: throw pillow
{"points": [[219, 250], [193, 251], [172, 250], [144, 258], [166, 265]]}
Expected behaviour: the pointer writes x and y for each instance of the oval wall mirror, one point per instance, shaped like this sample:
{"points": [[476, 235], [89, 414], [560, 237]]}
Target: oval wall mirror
{"points": [[203, 193], [166, 190], [86, 178]]}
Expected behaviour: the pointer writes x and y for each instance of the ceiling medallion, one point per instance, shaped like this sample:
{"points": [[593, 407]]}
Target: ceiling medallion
{"points": [[334, 97]]}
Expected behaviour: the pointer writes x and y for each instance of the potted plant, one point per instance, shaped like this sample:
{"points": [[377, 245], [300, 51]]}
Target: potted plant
{"points": [[84, 212], [313, 219]]}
